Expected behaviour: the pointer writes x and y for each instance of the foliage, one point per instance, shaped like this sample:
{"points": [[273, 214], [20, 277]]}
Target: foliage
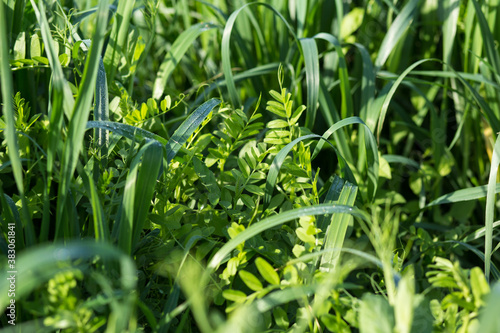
{"points": [[235, 166]]}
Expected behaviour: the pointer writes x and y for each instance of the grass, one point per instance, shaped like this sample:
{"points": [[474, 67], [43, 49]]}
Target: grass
{"points": [[245, 166]]}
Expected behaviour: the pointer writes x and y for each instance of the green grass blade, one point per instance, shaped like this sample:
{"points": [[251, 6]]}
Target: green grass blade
{"points": [[488, 41], [187, 128], [331, 116], [451, 9], [347, 109], [146, 182], [367, 83], [175, 54], [310, 52], [336, 231], [465, 194], [225, 48], [396, 31], [494, 270], [128, 131], [138, 192], [301, 12], [479, 233], [10, 130], [80, 115], [390, 94], [277, 220], [253, 72], [401, 160], [118, 38], [490, 208], [101, 109]]}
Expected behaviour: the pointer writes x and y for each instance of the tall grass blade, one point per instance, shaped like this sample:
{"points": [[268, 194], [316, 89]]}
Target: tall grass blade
{"points": [[488, 41], [490, 208], [347, 109], [10, 130], [101, 109], [138, 193], [310, 52], [396, 31], [225, 48], [331, 116], [336, 231], [451, 10], [79, 117], [118, 38], [175, 54], [187, 128]]}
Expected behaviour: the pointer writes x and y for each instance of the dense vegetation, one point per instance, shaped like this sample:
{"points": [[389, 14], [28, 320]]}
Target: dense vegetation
{"points": [[227, 166]]}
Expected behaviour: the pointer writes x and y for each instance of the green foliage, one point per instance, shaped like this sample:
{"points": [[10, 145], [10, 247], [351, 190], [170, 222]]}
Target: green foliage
{"points": [[356, 192]]}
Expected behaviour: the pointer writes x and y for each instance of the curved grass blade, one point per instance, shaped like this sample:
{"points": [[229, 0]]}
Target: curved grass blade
{"points": [[494, 270], [373, 162], [401, 160], [310, 52], [38, 264], [347, 109], [465, 194], [253, 72], [331, 116], [479, 233], [128, 131], [274, 170], [396, 31], [175, 54], [10, 130], [277, 220], [139, 188], [225, 48], [180, 136], [79, 117], [390, 94], [118, 38]]}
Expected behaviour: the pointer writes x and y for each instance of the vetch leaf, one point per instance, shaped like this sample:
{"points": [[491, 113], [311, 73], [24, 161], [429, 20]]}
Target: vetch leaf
{"points": [[267, 271], [250, 280], [234, 295]]}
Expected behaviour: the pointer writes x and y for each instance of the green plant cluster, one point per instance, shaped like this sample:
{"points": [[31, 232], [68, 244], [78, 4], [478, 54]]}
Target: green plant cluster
{"points": [[235, 166]]}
